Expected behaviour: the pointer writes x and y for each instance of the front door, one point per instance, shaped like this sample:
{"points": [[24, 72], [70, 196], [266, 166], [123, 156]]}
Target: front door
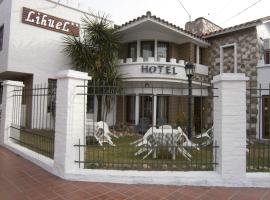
{"points": [[146, 107]]}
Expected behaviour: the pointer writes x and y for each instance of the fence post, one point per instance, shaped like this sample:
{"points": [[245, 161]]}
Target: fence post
{"points": [[230, 125], [70, 116], [7, 107]]}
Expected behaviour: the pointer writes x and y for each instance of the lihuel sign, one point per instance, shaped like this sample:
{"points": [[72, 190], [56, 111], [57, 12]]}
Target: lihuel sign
{"points": [[49, 22]]}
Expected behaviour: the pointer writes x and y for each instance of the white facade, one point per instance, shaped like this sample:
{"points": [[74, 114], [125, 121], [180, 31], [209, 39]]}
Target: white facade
{"points": [[33, 50]]}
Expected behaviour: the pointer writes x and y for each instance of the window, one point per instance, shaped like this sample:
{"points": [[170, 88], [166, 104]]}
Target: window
{"points": [[130, 108], [147, 49], [162, 51], [200, 55], [132, 50], [267, 57], [266, 116], [51, 96], [1, 37]]}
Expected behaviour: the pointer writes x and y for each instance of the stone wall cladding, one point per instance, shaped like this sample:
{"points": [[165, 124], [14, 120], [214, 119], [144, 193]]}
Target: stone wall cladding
{"points": [[247, 59]]}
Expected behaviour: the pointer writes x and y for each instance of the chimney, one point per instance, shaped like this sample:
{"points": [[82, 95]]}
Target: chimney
{"points": [[201, 26]]}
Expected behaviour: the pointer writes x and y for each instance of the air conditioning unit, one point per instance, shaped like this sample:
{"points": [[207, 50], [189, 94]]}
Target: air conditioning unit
{"points": [[266, 44]]}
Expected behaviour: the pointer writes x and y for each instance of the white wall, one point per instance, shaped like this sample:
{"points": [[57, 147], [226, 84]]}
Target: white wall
{"points": [[5, 13], [35, 50]]}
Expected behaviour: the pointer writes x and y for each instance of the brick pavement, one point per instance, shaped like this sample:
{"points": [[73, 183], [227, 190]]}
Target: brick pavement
{"points": [[22, 180]]}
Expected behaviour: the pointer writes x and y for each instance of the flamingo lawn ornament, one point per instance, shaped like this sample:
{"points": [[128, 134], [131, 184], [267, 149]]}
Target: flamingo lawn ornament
{"points": [[100, 131], [174, 140]]}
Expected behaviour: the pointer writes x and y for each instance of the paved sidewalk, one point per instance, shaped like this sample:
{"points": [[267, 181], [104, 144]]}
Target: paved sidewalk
{"points": [[22, 180]]}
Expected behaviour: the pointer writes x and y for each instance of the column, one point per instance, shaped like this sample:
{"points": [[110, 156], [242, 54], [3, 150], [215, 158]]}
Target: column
{"points": [[156, 52], [230, 125], [137, 109], [8, 106], [70, 116], [155, 111]]}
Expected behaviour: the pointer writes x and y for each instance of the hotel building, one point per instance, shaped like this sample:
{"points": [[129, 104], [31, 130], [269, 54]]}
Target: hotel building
{"points": [[152, 56]]}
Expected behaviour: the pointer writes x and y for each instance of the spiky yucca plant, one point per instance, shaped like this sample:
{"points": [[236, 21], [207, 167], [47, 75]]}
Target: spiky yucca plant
{"points": [[95, 52]]}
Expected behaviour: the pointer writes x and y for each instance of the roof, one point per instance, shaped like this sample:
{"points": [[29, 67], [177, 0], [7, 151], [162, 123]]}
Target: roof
{"points": [[163, 22], [236, 27]]}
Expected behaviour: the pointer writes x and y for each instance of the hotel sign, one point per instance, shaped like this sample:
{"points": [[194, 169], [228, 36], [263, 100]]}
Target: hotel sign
{"points": [[159, 69], [49, 22]]}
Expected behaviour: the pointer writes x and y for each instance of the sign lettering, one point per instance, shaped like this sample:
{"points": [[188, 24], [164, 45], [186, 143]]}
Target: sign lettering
{"points": [[159, 69], [49, 22]]}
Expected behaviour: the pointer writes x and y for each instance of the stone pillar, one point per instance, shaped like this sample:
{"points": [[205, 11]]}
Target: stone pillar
{"points": [[70, 116], [155, 110], [230, 125], [8, 107], [137, 109]]}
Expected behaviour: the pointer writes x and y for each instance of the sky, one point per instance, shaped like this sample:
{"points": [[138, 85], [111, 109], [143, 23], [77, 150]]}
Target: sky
{"points": [[220, 12]]}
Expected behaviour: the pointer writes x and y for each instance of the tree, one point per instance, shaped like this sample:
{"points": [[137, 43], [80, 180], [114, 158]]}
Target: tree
{"points": [[96, 53]]}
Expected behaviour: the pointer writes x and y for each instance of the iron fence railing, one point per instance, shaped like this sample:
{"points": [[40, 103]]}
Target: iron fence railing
{"points": [[145, 128], [258, 128], [33, 118]]}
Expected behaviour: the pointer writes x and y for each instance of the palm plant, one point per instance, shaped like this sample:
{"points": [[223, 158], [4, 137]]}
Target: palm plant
{"points": [[96, 53]]}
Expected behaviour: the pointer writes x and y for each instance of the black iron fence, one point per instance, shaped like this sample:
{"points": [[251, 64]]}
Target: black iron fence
{"points": [[33, 118], [145, 128], [258, 128]]}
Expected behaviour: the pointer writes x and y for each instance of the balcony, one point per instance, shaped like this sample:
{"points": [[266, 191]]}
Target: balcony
{"points": [[161, 70]]}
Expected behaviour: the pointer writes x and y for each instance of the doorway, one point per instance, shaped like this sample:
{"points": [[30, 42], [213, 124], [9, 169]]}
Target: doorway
{"points": [[146, 108]]}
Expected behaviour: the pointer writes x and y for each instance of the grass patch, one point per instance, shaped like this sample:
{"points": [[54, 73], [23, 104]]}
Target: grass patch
{"points": [[39, 141], [122, 157]]}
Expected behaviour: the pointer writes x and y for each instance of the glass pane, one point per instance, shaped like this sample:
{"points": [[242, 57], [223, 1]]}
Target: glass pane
{"points": [[147, 50], [146, 107], [267, 57], [162, 110], [162, 50], [130, 109], [266, 116], [132, 51]]}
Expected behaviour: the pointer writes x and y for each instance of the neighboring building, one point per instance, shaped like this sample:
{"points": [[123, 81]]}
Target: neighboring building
{"points": [[152, 55], [31, 41]]}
